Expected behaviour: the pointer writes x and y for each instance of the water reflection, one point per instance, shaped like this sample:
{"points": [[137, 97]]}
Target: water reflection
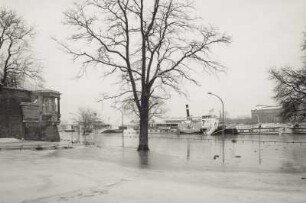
{"points": [[122, 137], [259, 147], [188, 149], [144, 160], [242, 152]]}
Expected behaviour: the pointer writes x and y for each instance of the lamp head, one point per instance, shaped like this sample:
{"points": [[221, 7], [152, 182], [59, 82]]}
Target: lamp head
{"points": [[209, 93]]}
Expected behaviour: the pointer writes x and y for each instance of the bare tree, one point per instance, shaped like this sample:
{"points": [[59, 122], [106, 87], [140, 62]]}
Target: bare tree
{"points": [[86, 118], [290, 90], [16, 61], [151, 46]]}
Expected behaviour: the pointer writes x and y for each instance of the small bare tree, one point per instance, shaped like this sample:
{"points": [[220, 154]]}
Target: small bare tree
{"points": [[150, 45], [16, 61], [86, 118]]}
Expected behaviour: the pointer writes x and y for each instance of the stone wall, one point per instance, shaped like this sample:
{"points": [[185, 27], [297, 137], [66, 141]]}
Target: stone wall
{"points": [[13, 122], [10, 112], [41, 131]]}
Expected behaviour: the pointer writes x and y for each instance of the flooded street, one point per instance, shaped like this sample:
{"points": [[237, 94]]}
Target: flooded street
{"points": [[186, 168], [211, 93], [273, 153]]}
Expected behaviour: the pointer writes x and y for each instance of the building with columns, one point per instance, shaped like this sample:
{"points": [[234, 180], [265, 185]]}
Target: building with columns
{"points": [[266, 114], [29, 115]]}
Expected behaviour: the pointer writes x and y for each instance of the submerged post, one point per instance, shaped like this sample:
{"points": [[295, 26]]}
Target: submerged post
{"points": [[223, 125], [122, 123], [259, 143], [121, 111]]}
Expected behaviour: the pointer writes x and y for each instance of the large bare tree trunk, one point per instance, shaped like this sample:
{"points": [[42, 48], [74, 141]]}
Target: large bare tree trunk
{"points": [[144, 123], [170, 41]]}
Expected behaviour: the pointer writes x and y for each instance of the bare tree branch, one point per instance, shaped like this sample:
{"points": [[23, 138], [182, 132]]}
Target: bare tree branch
{"points": [[151, 46]]}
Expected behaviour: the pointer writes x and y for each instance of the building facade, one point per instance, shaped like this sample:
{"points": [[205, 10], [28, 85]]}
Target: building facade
{"points": [[266, 115], [29, 115]]}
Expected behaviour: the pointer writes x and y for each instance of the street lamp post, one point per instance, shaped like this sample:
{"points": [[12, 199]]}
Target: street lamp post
{"points": [[78, 128], [223, 124], [121, 111], [259, 140]]}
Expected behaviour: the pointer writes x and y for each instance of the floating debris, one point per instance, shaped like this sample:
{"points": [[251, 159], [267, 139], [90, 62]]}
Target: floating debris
{"points": [[216, 156], [238, 156]]}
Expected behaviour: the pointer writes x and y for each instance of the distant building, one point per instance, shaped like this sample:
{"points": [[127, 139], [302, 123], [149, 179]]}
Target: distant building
{"points": [[160, 125], [240, 120], [92, 126], [79, 127], [266, 115], [163, 125], [29, 115]]}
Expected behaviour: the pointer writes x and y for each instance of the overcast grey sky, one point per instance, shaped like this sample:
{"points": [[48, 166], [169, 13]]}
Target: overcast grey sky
{"points": [[265, 34]]}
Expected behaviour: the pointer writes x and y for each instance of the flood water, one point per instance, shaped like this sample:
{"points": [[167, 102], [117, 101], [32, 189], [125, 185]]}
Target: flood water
{"points": [[254, 153], [186, 168]]}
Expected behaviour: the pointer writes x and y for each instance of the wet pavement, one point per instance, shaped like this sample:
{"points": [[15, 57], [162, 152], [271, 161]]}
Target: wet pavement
{"points": [[188, 168]]}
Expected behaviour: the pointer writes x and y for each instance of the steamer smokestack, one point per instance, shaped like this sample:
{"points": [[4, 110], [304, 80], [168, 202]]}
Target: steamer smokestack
{"points": [[187, 111]]}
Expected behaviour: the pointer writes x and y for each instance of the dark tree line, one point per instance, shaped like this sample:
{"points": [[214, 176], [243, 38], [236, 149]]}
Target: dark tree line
{"points": [[290, 90]]}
